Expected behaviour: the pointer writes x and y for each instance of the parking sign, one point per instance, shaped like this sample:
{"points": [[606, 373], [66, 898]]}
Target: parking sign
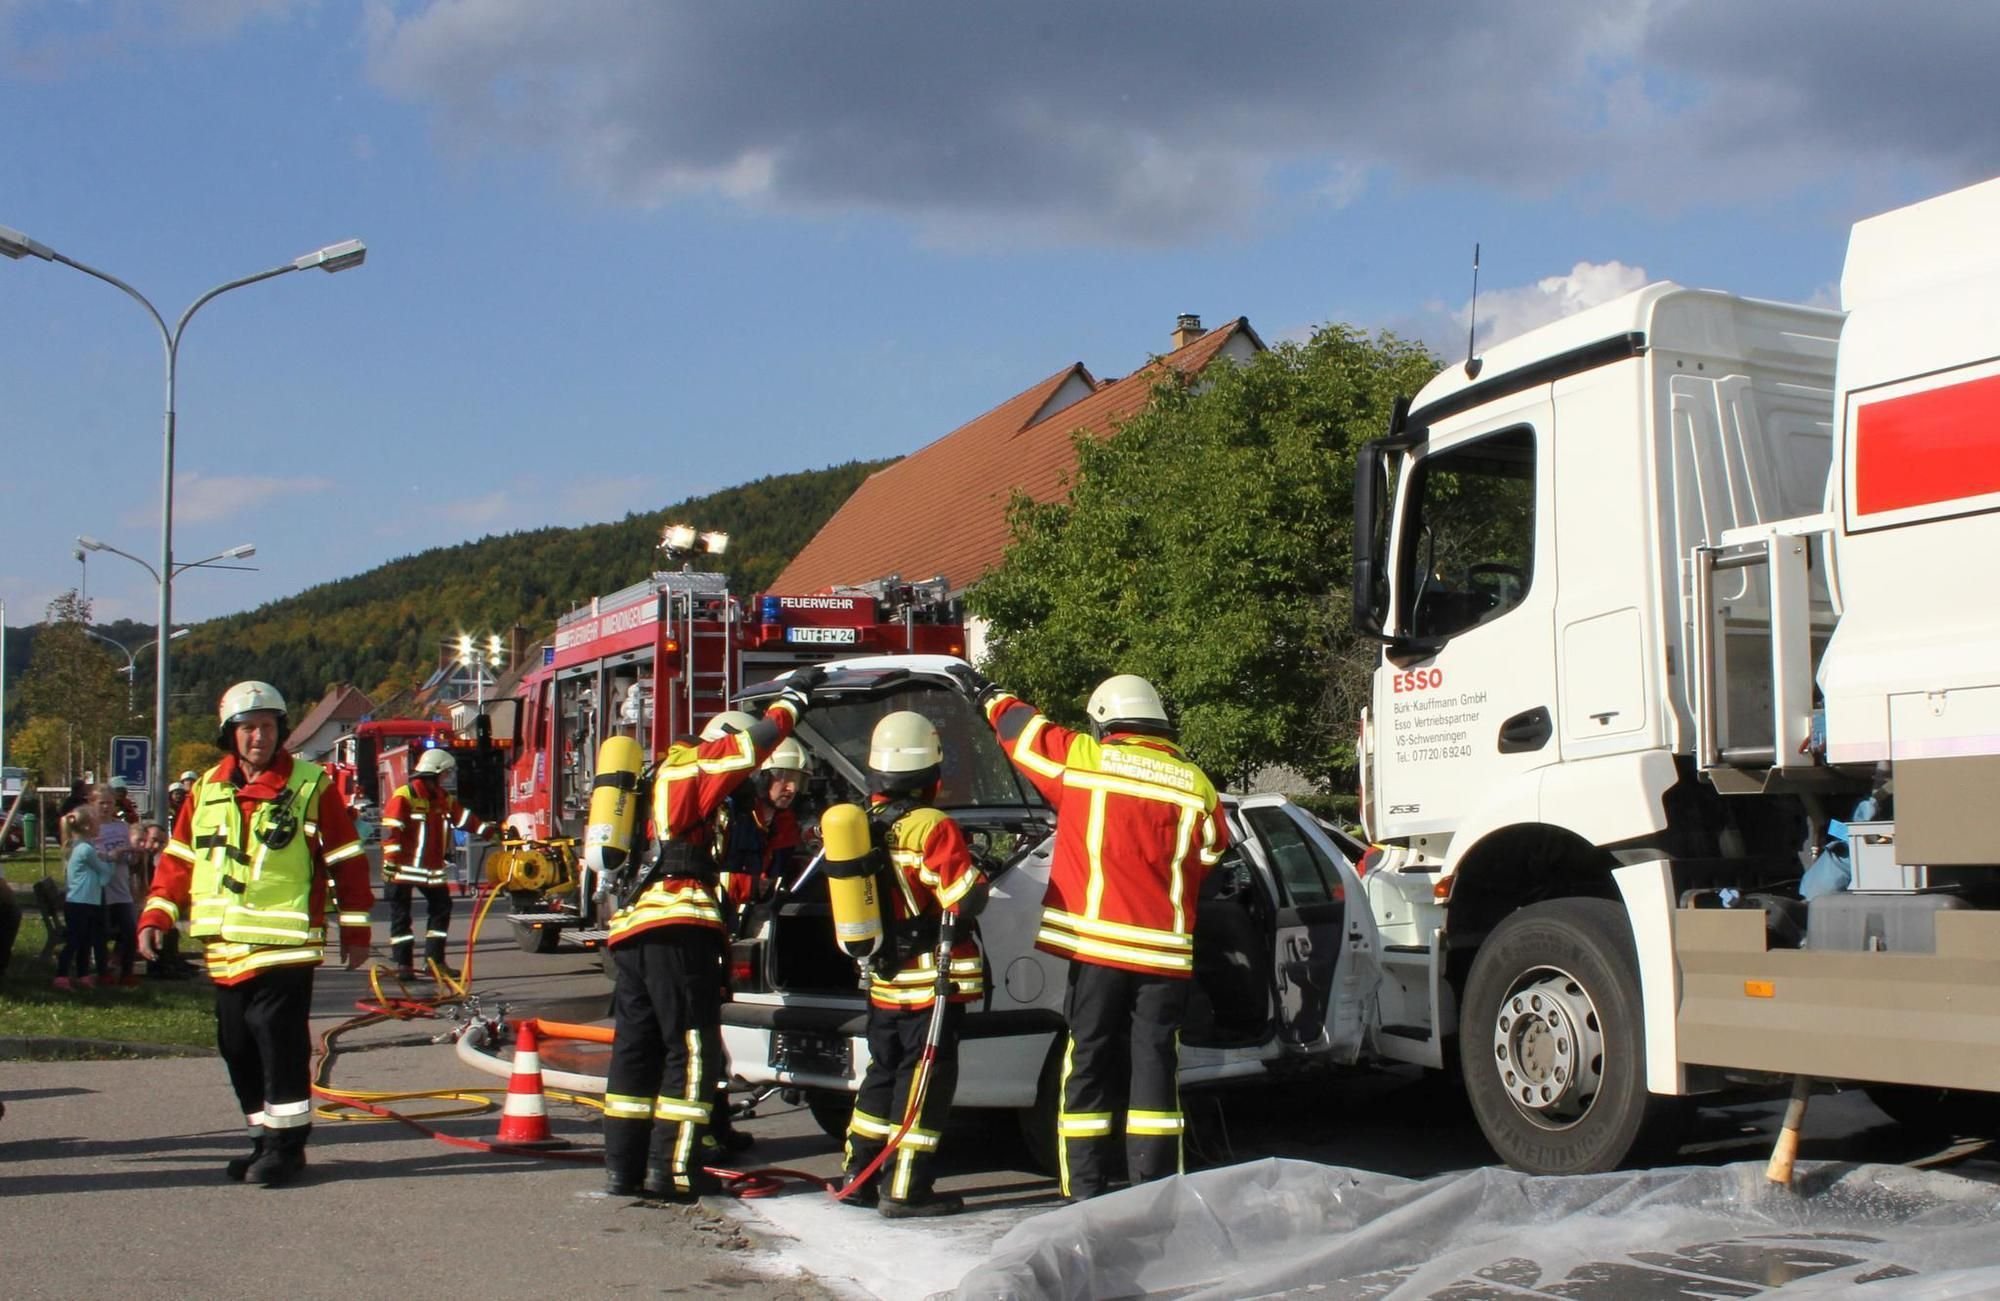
{"points": [[132, 759]]}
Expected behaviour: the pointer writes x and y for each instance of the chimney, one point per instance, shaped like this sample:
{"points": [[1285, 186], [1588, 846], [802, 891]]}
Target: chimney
{"points": [[1187, 328]]}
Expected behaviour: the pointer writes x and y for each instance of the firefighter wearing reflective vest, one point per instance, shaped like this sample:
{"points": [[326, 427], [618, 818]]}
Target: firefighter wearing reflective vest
{"points": [[1137, 829], [931, 872], [417, 823], [258, 844], [667, 948]]}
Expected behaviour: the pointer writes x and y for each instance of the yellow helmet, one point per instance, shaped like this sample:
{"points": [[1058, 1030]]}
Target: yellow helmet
{"points": [[1127, 703], [726, 722], [242, 700], [789, 756], [904, 742]]}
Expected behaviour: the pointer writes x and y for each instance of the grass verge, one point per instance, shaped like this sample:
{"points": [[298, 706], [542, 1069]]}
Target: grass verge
{"points": [[178, 1013]]}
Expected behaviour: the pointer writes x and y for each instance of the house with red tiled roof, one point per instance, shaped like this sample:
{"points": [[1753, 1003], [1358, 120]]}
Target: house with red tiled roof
{"points": [[942, 510], [326, 722]]}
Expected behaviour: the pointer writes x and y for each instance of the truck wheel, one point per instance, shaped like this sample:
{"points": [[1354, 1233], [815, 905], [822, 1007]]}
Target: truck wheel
{"points": [[1553, 1041], [537, 939], [831, 1110], [1928, 1113]]}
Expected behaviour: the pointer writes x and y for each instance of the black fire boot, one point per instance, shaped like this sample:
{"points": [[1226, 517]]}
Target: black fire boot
{"points": [[239, 1166], [283, 1159], [434, 957], [625, 1156], [893, 1208], [663, 1184]]}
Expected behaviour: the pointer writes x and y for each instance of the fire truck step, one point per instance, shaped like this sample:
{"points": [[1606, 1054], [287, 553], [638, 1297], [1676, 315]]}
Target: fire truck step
{"points": [[537, 919]]}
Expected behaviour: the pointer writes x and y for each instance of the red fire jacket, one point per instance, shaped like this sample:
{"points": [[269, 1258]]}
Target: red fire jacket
{"points": [[1137, 829], [933, 871], [692, 781], [414, 835]]}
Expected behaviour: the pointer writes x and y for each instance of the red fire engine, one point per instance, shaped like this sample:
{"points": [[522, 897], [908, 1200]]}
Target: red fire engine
{"points": [[373, 760], [656, 661]]}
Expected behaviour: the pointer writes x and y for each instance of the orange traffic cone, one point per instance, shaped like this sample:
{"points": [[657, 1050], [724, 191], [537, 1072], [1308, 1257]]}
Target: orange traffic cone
{"points": [[524, 1120]]}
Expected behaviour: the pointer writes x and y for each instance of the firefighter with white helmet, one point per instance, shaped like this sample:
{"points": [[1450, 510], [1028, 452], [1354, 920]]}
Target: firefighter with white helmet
{"points": [[668, 945], [260, 842], [758, 830], [417, 823], [930, 873], [1137, 828]]}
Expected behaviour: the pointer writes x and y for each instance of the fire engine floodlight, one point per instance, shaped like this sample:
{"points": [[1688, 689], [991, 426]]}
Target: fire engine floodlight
{"points": [[15, 245], [343, 256], [677, 537], [493, 651], [465, 648], [715, 543]]}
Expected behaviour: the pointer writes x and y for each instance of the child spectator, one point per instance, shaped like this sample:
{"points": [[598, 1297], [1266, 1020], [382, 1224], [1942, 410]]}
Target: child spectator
{"points": [[121, 916], [83, 911]]}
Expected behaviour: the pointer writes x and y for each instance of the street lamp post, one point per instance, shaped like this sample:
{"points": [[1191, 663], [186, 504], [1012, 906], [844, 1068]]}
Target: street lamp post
{"points": [[334, 257]]}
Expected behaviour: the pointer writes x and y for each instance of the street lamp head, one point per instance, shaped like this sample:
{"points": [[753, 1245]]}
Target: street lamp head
{"points": [[15, 245], [240, 551], [89, 543], [334, 257], [178, 633]]}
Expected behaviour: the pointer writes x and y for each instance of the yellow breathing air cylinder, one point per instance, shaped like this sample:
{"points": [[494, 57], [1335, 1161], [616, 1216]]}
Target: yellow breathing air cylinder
{"points": [[851, 883], [614, 804]]}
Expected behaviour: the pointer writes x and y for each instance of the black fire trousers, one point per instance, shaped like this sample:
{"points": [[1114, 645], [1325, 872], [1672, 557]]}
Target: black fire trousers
{"points": [[666, 1058], [1120, 1070], [437, 922], [262, 1028], [895, 1051]]}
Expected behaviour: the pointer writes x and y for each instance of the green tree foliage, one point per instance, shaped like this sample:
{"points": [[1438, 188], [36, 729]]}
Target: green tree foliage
{"points": [[75, 680], [384, 630], [1206, 546]]}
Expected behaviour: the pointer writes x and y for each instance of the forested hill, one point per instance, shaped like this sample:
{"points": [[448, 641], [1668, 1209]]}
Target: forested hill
{"points": [[382, 630]]}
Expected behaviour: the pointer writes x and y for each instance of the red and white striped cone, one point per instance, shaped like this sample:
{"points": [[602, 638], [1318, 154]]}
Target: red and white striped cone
{"points": [[524, 1120]]}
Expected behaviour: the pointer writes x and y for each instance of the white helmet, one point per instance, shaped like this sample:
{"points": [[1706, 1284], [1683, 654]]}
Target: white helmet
{"points": [[435, 763], [726, 722], [189, 776], [242, 700], [789, 756], [1127, 703], [904, 742]]}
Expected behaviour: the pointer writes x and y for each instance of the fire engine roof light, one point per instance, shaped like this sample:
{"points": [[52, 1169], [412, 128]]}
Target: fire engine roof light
{"points": [[715, 543], [677, 537]]}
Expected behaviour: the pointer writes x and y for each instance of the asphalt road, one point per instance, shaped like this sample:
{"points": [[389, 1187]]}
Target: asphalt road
{"points": [[110, 1180]]}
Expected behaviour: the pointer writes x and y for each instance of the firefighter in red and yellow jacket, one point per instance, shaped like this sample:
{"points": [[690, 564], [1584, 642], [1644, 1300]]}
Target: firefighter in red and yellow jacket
{"points": [[759, 829], [1137, 828], [417, 823], [667, 947], [931, 873], [259, 841]]}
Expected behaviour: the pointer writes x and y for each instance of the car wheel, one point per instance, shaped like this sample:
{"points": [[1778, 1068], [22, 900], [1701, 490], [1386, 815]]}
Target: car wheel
{"points": [[1552, 1041], [831, 1110], [1938, 1114]]}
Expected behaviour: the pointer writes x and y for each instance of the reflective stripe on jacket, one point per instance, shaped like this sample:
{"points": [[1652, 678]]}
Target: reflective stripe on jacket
{"points": [[1137, 828], [933, 871], [415, 835]]}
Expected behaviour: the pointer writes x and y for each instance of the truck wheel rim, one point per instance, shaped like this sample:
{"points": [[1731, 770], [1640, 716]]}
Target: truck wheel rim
{"points": [[1548, 1047]]}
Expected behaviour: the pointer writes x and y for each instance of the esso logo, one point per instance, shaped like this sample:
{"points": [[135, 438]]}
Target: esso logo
{"points": [[1417, 680]]}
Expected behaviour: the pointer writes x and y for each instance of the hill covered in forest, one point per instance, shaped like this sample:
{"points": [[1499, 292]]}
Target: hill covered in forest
{"points": [[383, 630]]}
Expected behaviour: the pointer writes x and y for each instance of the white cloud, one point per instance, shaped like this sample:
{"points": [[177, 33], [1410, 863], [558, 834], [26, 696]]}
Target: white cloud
{"points": [[1506, 313], [478, 512], [203, 499]]}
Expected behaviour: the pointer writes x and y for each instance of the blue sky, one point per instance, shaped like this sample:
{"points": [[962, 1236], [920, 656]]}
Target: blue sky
{"points": [[626, 251]]}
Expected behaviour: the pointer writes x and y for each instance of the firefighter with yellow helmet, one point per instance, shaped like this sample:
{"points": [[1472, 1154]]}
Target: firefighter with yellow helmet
{"points": [[668, 945], [1137, 828], [930, 873], [417, 823], [260, 843]]}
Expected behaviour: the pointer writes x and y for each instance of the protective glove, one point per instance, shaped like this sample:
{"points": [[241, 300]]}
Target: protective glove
{"points": [[977, 687], [799, 686]]}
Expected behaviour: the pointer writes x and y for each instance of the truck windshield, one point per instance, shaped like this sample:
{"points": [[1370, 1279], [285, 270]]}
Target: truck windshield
{"points": [[976, 773], [1468, 543]]}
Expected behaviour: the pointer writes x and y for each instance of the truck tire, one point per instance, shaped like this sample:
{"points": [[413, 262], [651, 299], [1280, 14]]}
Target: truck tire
{"points": [[1552, 1039], [537, 939], [1938, 1114], [831, 1110]]}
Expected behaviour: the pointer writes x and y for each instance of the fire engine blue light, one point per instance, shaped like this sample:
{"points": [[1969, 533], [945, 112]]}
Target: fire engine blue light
{"points": [[770, 609]]}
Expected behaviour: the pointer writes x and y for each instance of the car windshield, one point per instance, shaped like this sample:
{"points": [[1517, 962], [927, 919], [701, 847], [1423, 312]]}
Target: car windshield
{"points": [[976, 773]]}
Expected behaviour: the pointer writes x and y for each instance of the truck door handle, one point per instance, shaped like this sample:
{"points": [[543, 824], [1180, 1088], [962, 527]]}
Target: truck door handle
{"points": [[1526, 732]]}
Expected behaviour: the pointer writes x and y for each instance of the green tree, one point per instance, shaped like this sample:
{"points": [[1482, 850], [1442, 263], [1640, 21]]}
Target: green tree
{"points": [[75, 680], [42, 746], [1206, 546]]}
